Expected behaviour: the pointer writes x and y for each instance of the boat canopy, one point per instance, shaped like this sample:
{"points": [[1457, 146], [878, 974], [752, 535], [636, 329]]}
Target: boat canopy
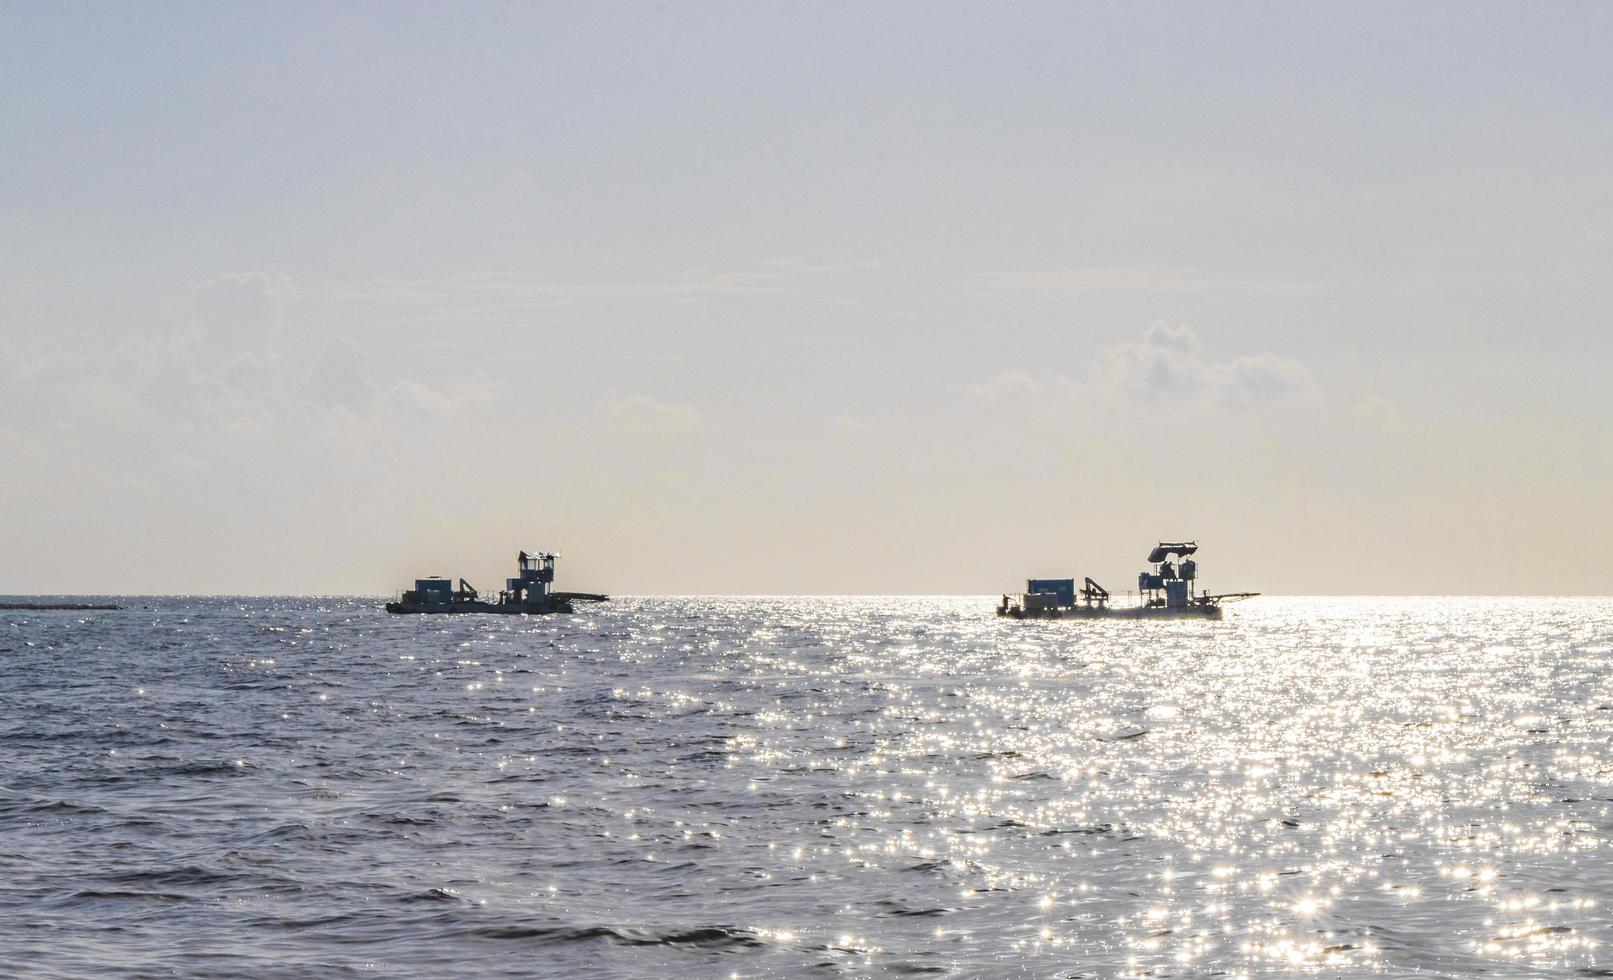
{"points": [[1168, 548]]}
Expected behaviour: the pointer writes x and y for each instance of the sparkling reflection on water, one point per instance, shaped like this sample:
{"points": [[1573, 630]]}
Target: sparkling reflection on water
{"points": [[829, 786]]}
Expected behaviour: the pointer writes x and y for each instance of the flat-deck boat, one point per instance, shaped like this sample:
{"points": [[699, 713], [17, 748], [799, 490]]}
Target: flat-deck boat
{"points": [[1169, 591], [529, 593]]}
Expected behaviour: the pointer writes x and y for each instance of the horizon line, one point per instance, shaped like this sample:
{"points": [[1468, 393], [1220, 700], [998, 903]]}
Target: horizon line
{"points": [[793, 595]]}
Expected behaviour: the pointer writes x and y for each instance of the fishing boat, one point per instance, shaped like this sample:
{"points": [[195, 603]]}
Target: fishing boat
{"points": [[529, 593], [1169, 591]]}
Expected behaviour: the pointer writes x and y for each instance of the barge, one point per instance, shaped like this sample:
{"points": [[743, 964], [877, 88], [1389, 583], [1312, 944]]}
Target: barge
{"points": [[1169, 591], [529, 593]]}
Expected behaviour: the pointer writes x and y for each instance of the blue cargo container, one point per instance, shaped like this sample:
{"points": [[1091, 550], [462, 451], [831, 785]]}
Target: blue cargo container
{"points": [[439, 589], [1063, 589]]}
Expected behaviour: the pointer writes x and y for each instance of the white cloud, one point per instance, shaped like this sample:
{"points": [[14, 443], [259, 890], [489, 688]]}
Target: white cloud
{"points": [[1262, 380], [1166, 364], [1129, 278], [459, 399], [240, 313], [1004, 386], [340, 382], [643, 415], [493, 297], [215, 378], [338, 377], [1379, 412], [496, 297]]}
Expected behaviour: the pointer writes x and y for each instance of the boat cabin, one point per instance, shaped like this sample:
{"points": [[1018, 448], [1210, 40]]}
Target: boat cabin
{"points": [[535, 574], [1171, 584]]}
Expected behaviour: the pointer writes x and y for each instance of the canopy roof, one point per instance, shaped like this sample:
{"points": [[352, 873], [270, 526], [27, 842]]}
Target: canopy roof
{"points": [[1168, 548]]}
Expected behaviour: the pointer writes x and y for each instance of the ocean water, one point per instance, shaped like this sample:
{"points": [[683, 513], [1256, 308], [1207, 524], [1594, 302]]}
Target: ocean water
{"points": [[786, 787]]}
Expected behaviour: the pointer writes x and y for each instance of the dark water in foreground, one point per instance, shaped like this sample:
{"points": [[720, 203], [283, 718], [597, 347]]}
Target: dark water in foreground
{"points": [[798, 787]]}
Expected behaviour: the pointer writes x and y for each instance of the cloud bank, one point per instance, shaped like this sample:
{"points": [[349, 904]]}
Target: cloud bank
{"points": [[1165, 364]]}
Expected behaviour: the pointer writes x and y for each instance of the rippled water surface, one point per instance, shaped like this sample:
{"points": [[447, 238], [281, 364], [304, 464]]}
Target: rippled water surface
{"points": [[816, 786]]}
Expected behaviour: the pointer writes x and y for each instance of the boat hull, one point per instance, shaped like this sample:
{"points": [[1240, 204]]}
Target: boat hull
{"points": [[1211, 612], [477, 607]]}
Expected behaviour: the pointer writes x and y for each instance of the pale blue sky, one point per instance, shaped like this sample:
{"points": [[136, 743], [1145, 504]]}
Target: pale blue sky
{"points": [[808, 297]]}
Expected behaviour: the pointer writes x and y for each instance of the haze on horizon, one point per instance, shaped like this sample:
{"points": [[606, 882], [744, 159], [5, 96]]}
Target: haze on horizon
{"points": [[829, 298]]}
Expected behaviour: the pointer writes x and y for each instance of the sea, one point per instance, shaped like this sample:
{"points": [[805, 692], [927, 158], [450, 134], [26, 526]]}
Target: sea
{"points": [[807, 787]]}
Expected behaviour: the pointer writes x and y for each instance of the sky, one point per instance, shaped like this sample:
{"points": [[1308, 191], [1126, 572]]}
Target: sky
{"points": [[805, 297]]}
